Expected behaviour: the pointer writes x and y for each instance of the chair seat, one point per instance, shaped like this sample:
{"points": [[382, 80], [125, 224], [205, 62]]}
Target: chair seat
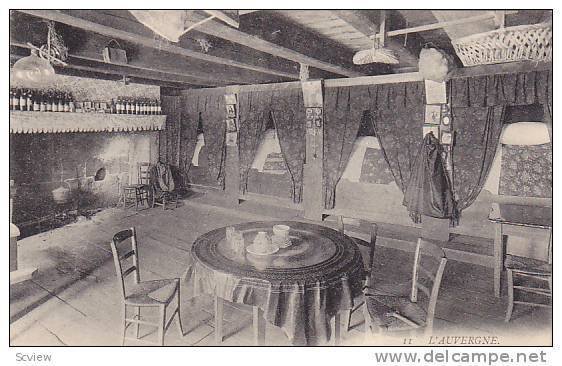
{"points": [[153, 292], [524, 264], [380, 308], [136, 186], [392, 289]]}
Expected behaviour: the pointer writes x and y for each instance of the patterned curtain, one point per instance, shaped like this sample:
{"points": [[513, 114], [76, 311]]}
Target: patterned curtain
{"points": [[343, 109], [253, 116], [170, 137], [478, 108], [397, 115], [289, 118], [212, 109], [188, 134]]}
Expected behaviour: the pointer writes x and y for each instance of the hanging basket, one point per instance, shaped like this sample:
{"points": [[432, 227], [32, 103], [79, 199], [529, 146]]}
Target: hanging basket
{"points": [[531, 42]]}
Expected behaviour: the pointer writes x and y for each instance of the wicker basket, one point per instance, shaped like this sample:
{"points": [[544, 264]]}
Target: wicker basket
{"points": [[520, 43]]}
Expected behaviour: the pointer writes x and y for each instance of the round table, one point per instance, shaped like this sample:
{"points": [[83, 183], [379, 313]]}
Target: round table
{"points": [[299, 288]]}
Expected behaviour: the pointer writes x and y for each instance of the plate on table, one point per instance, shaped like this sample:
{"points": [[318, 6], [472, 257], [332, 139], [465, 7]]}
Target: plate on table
{"points": [[252, 249]]}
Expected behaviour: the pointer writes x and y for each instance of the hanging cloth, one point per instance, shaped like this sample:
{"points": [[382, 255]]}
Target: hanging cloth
{"points": [[429, 190]]}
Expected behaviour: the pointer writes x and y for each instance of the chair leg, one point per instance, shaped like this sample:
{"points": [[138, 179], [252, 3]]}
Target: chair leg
{"points": [[510, 295], [178, 314], [347, 319], [219, 309], [124, 324], [161, 327], [138, 325]]}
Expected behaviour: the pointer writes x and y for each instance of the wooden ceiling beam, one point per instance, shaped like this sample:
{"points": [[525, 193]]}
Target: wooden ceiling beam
{"points": [[369, 28], [140, 68], [143, 78], [133, 38], [219, 30]]}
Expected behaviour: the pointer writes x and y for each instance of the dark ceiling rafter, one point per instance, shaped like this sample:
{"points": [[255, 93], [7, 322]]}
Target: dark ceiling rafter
{"points": [[369, 28], [64, 18], [219, 30]]}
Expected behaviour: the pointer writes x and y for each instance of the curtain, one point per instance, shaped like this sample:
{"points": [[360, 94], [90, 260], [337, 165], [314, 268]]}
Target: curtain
{"points": [[170, 137], [253, 116], [397, 116], [343, 109], [478, 108], [212, 109], [188, 134], [288, 115]]}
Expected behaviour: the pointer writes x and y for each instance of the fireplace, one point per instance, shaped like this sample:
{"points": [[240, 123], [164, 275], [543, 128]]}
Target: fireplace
{"points": [[60, 176]]}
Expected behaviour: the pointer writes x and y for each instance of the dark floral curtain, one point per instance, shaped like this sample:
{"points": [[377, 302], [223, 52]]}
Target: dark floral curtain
{"points": [[397, 114], [343, 110], [170, 137], [254, 114], [188, 134], [288, 114], [212, 109], [478, 109]]}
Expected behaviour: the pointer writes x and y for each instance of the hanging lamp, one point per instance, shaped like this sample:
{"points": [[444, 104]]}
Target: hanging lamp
{"points": [[379, 53]]}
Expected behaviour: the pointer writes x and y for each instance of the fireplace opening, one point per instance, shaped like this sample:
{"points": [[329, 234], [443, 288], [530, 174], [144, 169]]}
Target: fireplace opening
{"points": [[100, 174]]}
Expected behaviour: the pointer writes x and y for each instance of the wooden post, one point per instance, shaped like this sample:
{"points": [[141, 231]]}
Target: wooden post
{"points": [[232, 164], [313, 199]]}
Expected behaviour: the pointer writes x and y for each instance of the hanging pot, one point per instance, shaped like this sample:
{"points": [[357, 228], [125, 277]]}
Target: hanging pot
{"points": [[61, 194]]}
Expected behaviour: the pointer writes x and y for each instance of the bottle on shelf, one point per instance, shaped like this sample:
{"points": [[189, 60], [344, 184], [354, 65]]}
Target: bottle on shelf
{"points": [[49, 101], [71, 106], [43, 102], [12, 99], [61, 102], [54, 102], [23, 101], [66, 101], [29, 100], [36, 101], [158, 107]]}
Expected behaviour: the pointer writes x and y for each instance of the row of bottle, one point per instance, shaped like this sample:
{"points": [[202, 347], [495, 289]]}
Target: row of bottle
{"points": [[41, 101], [136, 106], [57, 101]]}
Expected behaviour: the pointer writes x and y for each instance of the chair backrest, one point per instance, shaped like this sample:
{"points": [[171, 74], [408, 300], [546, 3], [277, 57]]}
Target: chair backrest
{"points": [[373, 230], [427, 272], [144, 172], [124, 249]]}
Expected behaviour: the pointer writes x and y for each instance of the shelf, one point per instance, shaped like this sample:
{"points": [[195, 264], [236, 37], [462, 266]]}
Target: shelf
{"points": [[61, 122]]}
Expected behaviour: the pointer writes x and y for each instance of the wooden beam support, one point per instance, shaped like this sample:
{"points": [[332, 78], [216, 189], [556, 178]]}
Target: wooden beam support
{"points": [[217, 29], [60, 17], [369, 28]]}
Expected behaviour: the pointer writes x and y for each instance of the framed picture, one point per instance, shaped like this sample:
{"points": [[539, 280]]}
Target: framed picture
{"points": [[230, 111], [231, 125], [87, 106], [318, 121], [230, 99], [231, 138], [433, 114], [446, 138], [433, 128], [435, 92]]}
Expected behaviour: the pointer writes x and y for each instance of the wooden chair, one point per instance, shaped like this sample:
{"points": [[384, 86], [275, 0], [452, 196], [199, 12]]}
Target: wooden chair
{"points": [[535, 278], [156, 294], [368, 266], [416, 311], [135, 194], [160, 197]]}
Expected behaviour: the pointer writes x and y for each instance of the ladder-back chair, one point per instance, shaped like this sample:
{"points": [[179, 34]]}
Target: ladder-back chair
{"points": [[373, 231], [156, 294], [138, 193], [417, 310], [534, 277]]}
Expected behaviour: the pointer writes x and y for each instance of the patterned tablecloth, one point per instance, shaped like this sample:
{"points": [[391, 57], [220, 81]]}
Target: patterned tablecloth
{"points": [[299, 288]]}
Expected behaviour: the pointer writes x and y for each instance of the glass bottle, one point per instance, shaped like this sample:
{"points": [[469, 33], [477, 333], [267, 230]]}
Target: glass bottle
{"points": [[71, 106], [61, 102], [36, 101], [158, 107], [12, 99], [42, 102], [23, 102], [29, 100]]}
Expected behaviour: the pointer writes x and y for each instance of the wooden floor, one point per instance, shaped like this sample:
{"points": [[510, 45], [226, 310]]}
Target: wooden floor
{"points": [[74, 298]]}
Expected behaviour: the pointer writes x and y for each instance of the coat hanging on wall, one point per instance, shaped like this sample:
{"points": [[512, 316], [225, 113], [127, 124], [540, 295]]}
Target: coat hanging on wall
{"points": [[429, 190]]}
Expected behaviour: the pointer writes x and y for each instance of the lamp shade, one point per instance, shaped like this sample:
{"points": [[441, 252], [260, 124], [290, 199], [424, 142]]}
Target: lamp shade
{"points": [[33, 68]]}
